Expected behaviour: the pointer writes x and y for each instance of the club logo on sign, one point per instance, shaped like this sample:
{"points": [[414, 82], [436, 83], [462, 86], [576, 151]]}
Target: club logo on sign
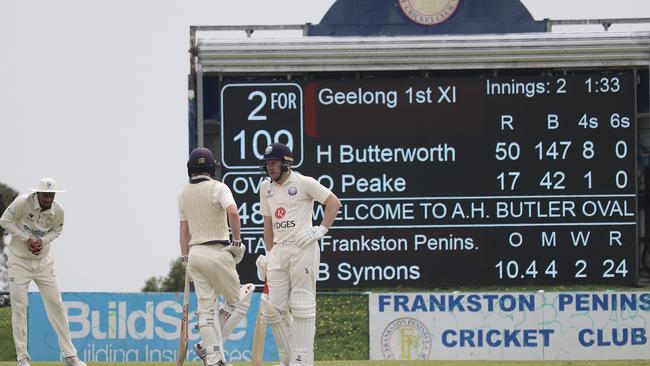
{"points": [[406, 339], [280, 212], [428, 12]]}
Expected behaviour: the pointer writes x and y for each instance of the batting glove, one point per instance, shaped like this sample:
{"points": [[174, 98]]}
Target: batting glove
{"points": [[237, 251], [261, 267], [314, 233]]}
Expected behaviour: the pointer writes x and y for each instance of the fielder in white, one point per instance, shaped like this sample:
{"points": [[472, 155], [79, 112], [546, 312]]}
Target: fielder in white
{"points": [[292, 253], [34, 220], [206, 206]]}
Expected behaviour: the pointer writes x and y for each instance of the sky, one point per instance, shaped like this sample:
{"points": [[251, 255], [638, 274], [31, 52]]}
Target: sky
{"points": [[94, 95]]}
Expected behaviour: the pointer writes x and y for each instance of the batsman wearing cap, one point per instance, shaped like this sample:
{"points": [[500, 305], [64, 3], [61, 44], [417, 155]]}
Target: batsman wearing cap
{"points": [[34, 220], [292, 253], [206, 207]]}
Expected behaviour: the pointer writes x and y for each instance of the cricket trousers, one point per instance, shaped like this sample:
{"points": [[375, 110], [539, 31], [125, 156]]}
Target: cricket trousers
{"points": [[21, 272], [291, 275], [213, 271], [292, 268]]}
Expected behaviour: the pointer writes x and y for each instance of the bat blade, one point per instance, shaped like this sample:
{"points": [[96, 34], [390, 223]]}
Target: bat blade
{"points": [[182, 342], [259, 335]]}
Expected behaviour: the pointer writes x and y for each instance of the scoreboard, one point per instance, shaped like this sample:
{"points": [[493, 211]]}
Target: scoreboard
{"points": [[477, 179]]}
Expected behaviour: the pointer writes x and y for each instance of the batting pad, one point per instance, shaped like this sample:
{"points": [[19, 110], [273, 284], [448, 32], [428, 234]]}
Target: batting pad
{"points": [[280, 324], [211, 337], [201, 352], [261, 263], [230, 315], [303, 309]]}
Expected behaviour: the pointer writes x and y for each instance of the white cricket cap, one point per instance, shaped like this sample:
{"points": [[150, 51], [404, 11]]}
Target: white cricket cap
{"points": [[47, 185]]}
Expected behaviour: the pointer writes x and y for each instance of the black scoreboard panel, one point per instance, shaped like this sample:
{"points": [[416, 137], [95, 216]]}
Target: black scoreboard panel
{"points": [[451, 180]]}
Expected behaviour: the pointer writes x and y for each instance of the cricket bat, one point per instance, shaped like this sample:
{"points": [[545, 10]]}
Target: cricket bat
{"points": [[259, 334], [182, 343]]}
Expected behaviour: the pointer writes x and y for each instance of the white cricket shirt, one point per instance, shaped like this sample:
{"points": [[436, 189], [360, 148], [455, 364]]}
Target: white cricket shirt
{"points": [[290, 205], [24, 219]]}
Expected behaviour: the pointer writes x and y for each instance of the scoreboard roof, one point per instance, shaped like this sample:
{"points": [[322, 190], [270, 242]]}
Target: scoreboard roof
{"points": [[449, 52]]}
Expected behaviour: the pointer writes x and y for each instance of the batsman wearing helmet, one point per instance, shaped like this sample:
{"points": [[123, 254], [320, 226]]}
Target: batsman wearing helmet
{"points": [[206, 207], [293, 253], [34, 220]]}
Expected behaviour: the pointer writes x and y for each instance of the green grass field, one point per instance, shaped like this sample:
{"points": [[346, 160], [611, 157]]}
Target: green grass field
{"points": [[6, 340], [385, 363]]}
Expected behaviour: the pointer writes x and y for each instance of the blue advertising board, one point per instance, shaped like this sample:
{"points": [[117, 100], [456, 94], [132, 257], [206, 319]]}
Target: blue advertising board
{"points": [[117, 327]]}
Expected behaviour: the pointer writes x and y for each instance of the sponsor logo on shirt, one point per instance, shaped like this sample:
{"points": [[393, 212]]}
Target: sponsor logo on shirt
{"points": [[292, 191], [35, 232], [280, 212], [284, 224]]}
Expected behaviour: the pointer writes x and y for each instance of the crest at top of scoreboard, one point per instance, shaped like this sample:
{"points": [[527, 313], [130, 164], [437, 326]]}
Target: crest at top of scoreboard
{"points": [[429, 12]]}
